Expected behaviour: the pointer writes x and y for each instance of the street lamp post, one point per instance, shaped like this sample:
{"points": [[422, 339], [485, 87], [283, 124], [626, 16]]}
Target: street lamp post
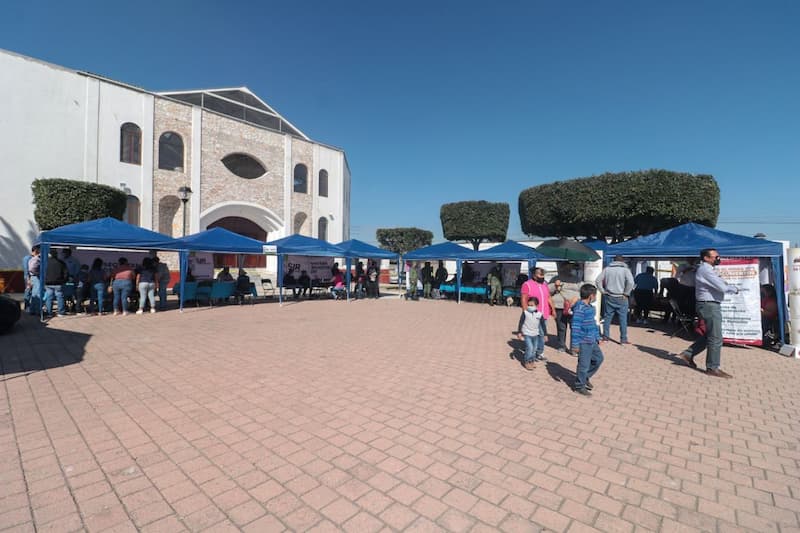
{"points": [[184, 193]]}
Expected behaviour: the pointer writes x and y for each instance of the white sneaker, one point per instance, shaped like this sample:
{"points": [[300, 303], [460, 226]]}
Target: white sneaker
{"points": [[140, 312], [152, 310], [124, 313], [116, 313]]}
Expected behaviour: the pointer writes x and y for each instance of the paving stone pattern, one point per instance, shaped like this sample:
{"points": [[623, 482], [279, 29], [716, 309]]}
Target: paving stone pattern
{"points": [[381, 416]]}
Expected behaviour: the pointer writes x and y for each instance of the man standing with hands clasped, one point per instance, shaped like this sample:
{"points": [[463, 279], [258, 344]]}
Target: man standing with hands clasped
{"points": [[710, 290]]}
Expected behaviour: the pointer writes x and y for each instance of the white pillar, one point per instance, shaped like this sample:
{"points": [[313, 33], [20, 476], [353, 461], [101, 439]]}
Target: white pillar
{"points": [[592, 269], [196, 172], [793, 258]]}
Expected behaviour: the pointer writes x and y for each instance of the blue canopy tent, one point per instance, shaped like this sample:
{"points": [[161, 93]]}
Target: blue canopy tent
{"points": [[687, 241], [302, 245], [513, 251], [445, 250], [217, 240], [356, 249], [101, 233]]}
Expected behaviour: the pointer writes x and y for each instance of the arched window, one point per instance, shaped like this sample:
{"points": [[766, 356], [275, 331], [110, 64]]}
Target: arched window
{"points": [[169, 221], [301, 178], [170, 151], [323, 183], [244, 166], [322, 228], [130, 145], [299, 222], [132, 208]]}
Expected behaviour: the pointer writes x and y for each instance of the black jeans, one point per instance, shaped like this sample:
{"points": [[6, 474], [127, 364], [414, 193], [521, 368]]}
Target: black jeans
{"points": [[562, 323], [644, 302]]}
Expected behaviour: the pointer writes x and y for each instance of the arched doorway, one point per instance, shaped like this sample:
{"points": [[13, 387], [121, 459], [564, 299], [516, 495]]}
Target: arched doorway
{"points": [[242, 226]]}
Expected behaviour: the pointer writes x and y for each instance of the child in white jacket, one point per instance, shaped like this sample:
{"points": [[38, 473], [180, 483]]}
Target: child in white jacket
{"points": [[528, 330]]}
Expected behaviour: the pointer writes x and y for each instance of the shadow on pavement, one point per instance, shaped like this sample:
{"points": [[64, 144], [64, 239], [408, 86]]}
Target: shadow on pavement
{"points": [[665, 355], [32, 346], [559, 373], [517, 350]]}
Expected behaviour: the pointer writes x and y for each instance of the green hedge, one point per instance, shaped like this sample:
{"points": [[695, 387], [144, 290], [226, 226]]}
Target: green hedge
{"points": [[619, 206], [62, 201], [475, 221], [402, 240]]}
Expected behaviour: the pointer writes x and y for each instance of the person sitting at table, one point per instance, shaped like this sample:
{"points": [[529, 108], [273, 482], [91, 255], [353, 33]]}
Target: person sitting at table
{"points": [[467, 274], [360, 280], [304, 283], [769, 314], [243, 282], [337, 285], [289, 281], [225, 275]]}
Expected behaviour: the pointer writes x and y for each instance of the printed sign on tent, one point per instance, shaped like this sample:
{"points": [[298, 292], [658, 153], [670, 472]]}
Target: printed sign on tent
{"points": [[318, 268], [741, 313], [202, 265]]}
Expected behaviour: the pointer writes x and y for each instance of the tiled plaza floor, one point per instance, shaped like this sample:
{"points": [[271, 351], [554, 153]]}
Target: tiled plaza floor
{"points": [[381, 415]]}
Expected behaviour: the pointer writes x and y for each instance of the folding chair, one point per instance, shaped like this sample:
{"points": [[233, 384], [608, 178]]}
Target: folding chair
{"points": [[685, 322], [267, 288]]}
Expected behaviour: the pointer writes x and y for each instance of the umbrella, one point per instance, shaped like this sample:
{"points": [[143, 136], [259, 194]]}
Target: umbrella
{"points": [[567, 249]]}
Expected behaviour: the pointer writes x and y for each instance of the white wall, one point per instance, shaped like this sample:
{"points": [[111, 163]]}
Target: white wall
{"points": [[330, 160], [118, 105], [42, 130], [57, 123]]}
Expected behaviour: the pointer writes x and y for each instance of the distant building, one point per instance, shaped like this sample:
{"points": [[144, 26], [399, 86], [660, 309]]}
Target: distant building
{"points": [[251, 170]]}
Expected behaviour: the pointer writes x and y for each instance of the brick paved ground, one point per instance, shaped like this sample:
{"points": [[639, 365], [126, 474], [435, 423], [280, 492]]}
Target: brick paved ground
{"points": [[381, 415]]}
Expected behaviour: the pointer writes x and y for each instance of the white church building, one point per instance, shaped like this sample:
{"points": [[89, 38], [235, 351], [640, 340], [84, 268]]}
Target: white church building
{"points": [[250, 170]]}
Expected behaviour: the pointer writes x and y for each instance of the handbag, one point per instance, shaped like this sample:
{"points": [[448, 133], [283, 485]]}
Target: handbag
{"points": [[567, 307]]}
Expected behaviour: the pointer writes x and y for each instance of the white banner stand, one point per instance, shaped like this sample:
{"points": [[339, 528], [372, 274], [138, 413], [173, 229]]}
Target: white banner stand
{"points": [[793, 266]]}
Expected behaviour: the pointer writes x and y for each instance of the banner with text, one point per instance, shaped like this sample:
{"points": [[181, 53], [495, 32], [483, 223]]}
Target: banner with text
{"points": [[318, 268], [741, 313]]}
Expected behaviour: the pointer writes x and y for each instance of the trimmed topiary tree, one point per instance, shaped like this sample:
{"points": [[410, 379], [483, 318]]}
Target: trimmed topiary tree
{"points": [[619, 206], [475, 221], [62, 201], [403, 240]]}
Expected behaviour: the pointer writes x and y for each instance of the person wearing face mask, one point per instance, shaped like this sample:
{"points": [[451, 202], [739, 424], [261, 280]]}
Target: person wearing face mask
{"points": [[528, 330], [564, 292], [586, 336], [710, 290], [537, 287]]}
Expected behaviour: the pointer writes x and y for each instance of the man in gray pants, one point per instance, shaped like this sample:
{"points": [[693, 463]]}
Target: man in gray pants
{"points": [[615, 282], [710, 290]]}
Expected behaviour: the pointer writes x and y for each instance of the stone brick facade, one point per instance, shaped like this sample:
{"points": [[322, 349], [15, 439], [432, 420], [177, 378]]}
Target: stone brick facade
{"points": [[303, 153], [221, 193], [174, 117], [223, 136]]}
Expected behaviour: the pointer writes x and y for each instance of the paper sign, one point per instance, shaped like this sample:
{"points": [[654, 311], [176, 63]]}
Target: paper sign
{"points": [[741, 313]]}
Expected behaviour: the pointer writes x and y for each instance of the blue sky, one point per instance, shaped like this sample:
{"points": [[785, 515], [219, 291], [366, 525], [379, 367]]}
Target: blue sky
{"points": [[444, 101]]}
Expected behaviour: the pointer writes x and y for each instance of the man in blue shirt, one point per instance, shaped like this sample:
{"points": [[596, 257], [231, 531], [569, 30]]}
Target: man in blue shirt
{"points": [[709, 290]]}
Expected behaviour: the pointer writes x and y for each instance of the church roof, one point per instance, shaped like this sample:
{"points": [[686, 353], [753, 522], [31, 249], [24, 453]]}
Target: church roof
{"points": [[239, 103]]}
